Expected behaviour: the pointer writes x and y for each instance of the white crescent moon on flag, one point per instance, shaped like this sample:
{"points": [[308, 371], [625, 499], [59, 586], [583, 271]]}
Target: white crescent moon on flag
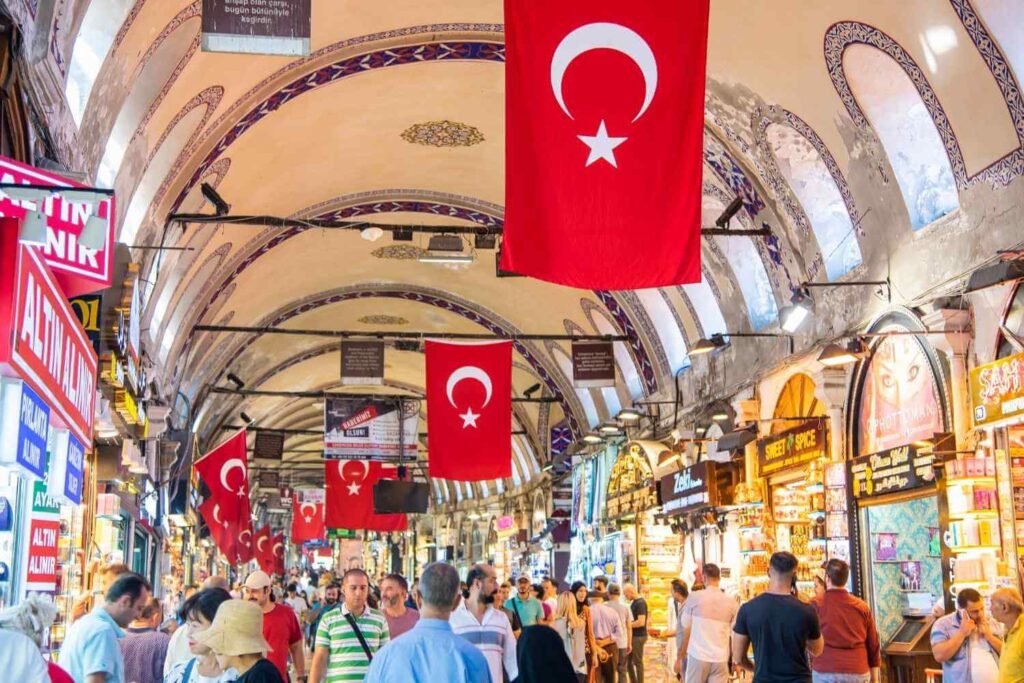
{"points": [[607, 36], [228, 466], [302, 509], [216, 514], [469, 372], [241, 537], [259, 543], [364, 463], [276, 546]]}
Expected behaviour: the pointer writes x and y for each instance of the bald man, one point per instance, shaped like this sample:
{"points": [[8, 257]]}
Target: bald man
{"points": [[216, 582], [1007, 607]]}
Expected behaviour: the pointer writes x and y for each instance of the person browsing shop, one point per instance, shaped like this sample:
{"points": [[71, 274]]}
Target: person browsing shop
{"points": [[964, 644], [1007, 607], [526, 606], [852, 651]]}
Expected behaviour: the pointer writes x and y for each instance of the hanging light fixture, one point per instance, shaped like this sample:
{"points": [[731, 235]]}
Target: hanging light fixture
{"points": [[33, 228], [703, 346], [835, 355], [793, 316], [628, 415], [593, 438], [94, 234]]}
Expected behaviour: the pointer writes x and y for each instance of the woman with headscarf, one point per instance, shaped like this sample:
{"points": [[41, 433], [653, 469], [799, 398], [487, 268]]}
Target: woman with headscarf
{"points": [[570, 626], [541, 657], [580, 592], [22, 630]]}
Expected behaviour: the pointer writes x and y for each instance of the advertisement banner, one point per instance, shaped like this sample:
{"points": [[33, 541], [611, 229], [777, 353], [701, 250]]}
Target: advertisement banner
{"points": [[43, 538], [78, 269], [997, 390], [593, 364], [314, 496], [262, 27], [24, 428], [792, 447], [47, 347], [689, 489], [891, 471], [362, 362], [367, 427], [66, 466], [268, 479]]}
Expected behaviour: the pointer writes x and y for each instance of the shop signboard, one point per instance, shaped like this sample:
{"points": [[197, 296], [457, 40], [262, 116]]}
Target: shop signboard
{"points": [[362, 362], [43, 538], [368, 427], [997, 390], [24, 428], [68, 461], [314, 496], [689, 489], [630, 484], [792, 448], [47, 347], [78, 269], [262, 27], [593, 364], [89, 309], [269, 479], [891, 471]]}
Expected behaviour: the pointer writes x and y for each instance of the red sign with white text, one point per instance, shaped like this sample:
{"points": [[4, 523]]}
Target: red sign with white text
{"points": [[78, 269], [42, 554], [46, 345]]}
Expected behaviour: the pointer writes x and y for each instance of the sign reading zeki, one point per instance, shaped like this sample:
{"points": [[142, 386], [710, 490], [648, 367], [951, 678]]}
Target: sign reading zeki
{"points": [[78, 269], [47, 347], [689, 489]]}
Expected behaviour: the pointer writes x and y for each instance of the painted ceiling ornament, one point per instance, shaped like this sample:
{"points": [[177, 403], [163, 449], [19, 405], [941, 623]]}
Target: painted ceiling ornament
{"points": [[443, 134], [596, 36], [398, 252], [383, 319], [469, 418], [353, 486]]}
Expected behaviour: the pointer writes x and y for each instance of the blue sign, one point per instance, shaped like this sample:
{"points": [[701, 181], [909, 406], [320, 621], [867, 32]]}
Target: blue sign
{"points": [[33, 426], [73, 473]]}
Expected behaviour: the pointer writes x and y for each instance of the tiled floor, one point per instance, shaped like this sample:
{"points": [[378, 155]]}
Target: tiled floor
{"points": [[656, 667]]}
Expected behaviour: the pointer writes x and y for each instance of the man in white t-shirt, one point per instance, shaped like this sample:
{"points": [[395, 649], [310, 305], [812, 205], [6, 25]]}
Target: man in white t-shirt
{"points": [[550, 594], [706, 622], [625, 640]]}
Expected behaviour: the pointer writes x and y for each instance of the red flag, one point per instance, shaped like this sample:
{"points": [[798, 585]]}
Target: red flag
{"points": [[469, 410], [220, 530], [277, 551], [307, 521], [264, 551], [350, 496], [226, 473], [604, 120]]}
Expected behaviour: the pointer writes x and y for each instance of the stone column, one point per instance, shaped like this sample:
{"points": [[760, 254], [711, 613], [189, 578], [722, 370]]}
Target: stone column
{"points": [[953, 340], [831, 389]]}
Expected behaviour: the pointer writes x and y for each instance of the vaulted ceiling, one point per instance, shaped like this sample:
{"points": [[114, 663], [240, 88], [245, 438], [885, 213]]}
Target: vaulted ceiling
{"points": [[852, 129]]}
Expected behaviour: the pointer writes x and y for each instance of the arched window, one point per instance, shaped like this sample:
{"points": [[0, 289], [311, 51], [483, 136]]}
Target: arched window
{"points": [[1014, 324], [704, 302], [892, 104], [1002, 19], [665, 324], [102, 21], [812, 182]]}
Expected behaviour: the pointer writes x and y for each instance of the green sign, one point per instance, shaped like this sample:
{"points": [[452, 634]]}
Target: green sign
{"points": [[42, 502], [341, 533]]}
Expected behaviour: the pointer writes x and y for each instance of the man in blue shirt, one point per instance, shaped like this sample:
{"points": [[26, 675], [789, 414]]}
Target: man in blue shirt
{"points": [[963, 642], [91, 653], [430, 651], [524, 604]]}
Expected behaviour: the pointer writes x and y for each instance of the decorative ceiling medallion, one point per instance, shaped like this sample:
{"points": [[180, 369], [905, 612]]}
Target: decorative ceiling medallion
{"points": [[443, 134], [382, 319], [398, 252]]}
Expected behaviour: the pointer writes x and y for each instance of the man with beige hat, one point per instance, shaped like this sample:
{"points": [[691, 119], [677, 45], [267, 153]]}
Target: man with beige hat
{"points": [[236, 639], [280, 626]]}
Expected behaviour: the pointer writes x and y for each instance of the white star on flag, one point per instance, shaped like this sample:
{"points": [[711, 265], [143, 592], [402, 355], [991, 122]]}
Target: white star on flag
{"points": [[469, 418], [601, 146], [353, 489]]}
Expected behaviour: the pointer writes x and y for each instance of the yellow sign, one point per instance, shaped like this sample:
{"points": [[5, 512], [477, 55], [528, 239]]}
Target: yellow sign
{"points": [[997, 390]]}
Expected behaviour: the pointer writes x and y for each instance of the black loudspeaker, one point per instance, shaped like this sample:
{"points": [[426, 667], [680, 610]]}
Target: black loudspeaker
{"points": [[392, 496]]}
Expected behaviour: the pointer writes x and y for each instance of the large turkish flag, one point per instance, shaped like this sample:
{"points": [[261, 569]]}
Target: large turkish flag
{"points": [[225, 472], [219, 528], [604, 117], [469, 410], [307, 521], [349, 496]]}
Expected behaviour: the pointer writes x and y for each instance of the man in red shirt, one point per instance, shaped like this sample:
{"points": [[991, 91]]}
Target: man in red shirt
{"points": [[851, 639], [280, 626]]}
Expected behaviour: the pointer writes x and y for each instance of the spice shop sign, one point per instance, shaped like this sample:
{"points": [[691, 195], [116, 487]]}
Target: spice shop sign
{"points": [[791, 448]]}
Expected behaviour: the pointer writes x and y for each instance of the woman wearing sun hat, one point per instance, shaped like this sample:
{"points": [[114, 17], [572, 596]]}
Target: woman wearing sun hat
{"points": [[236, 639]]}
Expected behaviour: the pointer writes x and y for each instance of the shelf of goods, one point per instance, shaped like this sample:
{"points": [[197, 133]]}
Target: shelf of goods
{"points": [[973, 535], [754, 550], [658, 563]]}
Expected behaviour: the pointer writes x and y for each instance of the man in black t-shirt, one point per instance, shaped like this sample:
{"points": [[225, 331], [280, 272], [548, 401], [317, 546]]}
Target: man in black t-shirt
{"points": [[782, 629], [638, 606]]}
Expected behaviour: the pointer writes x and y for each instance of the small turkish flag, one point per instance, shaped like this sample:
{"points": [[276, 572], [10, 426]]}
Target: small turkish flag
{"points": [[349, 496], [604, 118], [220, 530], [307, 521], [277, 550], [264, 551], [225, 472], [469, 410]]}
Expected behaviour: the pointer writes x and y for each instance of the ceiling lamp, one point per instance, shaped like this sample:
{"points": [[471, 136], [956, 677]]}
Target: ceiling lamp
{"points": [[836, 355], [445, 249], [628, 415], [609, 428], [720, 417], [371, 234], [83, 195], [94, 234], [704, 346], [793, 316], [593, 438], [27, 194], [33, 228]]}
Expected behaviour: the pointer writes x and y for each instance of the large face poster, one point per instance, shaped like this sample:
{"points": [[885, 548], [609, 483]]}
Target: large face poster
{"points": [[900, 398]]}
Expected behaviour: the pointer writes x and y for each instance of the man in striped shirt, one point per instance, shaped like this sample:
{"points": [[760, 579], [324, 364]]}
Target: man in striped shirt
{"points": [[487, 628], [338, 652]]}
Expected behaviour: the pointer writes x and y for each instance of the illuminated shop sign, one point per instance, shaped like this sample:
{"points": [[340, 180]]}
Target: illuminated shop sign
{"points": [[689, 489], [897, 469], [792, 448], [997, 390]]}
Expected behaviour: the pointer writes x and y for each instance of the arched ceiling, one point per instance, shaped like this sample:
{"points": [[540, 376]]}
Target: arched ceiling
{"points": [[399, 110]]}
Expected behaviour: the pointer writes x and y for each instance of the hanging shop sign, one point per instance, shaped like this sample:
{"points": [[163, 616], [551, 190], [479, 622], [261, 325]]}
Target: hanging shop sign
{"points": [[261, 27], [630, 484], [78, 269], [314, 496], [505, 526], [897, 469], [370, 428], [792, 448], [43, 537], [362, 362], [269, 479], [47, 347], [67, 464], [24, 428], [268, 445], [89, 309], [689, 489], [997, 390], [593, 364]]}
